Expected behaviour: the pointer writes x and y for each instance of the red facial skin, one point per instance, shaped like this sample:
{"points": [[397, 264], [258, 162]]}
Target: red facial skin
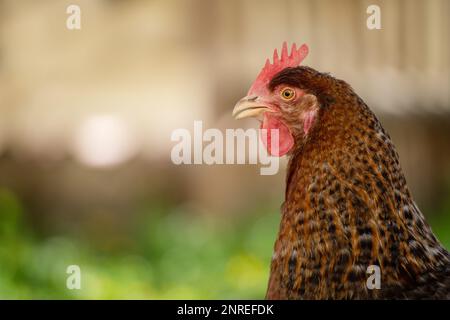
{"points": [[289, 115], [293, 117]]}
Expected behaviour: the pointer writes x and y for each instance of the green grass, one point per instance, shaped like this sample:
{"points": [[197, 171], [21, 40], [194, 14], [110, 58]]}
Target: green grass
{"points": [[170, 254]]}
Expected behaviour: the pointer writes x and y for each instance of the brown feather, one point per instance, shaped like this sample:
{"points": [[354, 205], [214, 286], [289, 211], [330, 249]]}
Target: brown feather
{"points": [[347, 206]]}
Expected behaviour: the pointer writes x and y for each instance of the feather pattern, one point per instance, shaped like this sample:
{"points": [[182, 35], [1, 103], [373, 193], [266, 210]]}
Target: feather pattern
{"points": [[347, 206]]}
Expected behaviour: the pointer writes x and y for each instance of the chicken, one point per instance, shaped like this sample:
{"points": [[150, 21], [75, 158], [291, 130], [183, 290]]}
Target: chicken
{"points": [[347, 205]]}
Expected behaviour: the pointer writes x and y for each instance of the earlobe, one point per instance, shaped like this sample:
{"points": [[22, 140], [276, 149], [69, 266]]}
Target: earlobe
{"points": [[310, 113], [308, 121]]}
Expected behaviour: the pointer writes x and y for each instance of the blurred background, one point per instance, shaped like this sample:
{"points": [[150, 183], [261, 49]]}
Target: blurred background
{"points": [[86, 117]]}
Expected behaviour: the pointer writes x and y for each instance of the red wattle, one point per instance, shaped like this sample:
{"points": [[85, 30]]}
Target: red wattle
{"points": [[285, 141]]}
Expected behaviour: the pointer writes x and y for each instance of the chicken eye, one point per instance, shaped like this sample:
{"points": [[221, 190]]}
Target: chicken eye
{"points": [[288, 94]]}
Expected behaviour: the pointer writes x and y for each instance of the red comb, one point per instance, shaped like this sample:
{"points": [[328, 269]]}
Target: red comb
{"points": [[270, 69]]}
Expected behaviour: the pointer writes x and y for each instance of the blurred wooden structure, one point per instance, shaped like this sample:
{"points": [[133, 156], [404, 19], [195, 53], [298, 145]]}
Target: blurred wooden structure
{"points": [[160, 65]]}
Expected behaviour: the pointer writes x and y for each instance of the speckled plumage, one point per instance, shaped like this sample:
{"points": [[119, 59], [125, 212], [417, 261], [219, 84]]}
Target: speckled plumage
{"points": [[347, 206]]}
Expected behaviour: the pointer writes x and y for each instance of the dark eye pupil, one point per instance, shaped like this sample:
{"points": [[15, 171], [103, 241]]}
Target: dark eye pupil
{"points": [[287, 94]]}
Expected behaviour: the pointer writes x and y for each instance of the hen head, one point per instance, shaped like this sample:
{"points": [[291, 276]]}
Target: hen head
{"points": [[286, 98]]}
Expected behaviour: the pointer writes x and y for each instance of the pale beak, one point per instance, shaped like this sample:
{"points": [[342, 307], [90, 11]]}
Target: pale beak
{"points": [[249, 106]]}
